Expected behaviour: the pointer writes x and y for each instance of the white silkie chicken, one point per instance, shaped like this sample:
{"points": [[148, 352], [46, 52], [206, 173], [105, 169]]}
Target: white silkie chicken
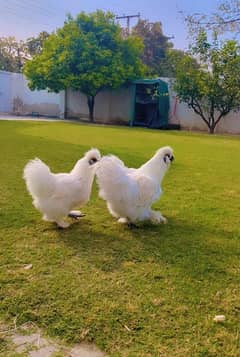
{"points": [[131, 192], [55, 195]]}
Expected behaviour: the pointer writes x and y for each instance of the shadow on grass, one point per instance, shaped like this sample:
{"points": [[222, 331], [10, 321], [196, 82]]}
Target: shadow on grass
{"points": [[193, 248]]}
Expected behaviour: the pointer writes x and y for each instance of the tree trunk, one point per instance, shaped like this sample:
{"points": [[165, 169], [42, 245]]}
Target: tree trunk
{"points": [[211, 129], [91, 100], [212, 124]]}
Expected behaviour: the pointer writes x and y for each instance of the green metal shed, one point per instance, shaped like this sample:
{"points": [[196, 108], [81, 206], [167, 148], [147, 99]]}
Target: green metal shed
{"points": [[150, 103]]}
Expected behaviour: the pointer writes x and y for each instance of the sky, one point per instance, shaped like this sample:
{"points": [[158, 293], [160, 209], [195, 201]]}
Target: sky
{"points": [[26, 18]]}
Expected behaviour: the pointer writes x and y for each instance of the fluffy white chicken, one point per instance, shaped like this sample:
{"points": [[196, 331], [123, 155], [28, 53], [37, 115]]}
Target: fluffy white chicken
{"points": [[131, 192], [55, 195]]}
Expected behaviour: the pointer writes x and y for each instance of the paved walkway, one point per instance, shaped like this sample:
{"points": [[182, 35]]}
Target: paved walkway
{"points": [[4, 116], [28, 340]]}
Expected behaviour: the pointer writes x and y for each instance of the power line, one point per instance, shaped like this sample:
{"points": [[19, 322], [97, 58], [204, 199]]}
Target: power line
{"points": [[30, 7], [28, 4], [22, 17], [15, 6], [49, 7]]}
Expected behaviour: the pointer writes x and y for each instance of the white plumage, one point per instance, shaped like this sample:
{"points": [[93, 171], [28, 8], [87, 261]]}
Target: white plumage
{"points": [[55, 195], [131, 192]]}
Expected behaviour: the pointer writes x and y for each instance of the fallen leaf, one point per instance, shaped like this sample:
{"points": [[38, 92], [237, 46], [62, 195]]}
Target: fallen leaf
{"points": [[27, 267], [219, 318]]}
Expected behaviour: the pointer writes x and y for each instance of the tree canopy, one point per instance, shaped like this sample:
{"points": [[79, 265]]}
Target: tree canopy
{"points": [[156, 46], [12, 54], [226, 18], [212, 89], [34, 45], [87, 54]]}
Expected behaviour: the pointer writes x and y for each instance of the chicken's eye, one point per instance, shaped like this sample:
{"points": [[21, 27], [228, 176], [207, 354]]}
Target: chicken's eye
{"points": [[92, 161], [169, 157]]}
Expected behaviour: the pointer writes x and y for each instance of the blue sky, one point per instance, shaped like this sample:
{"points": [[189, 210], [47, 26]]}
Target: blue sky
{"points": [[26, 18]]}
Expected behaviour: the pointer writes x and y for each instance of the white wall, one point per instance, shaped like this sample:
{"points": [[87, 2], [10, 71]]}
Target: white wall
{"points": [[121, 104], [17, 98], [5, 92], [110, 105], [115, 107], [77, 106]]}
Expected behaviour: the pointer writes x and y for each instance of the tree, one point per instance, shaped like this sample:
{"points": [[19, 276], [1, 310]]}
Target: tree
{"points": [[167, 65], [87, 54], [225, 19], [212, 89], [156, 45], [12, 54], [35, 44]]}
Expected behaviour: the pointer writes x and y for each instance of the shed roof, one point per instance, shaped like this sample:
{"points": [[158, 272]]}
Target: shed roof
{"points": [[147, 81]]}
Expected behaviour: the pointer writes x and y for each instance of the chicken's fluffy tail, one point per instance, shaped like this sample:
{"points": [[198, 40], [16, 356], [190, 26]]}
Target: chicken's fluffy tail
{"points": [[39, 179], [112, 177]]}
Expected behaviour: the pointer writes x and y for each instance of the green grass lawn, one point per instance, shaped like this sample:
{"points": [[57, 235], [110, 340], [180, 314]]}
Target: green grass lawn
{"points": [[146, 291]]}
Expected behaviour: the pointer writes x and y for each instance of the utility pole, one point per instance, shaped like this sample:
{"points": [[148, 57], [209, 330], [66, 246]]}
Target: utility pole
{"points": [[128, 17]]}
